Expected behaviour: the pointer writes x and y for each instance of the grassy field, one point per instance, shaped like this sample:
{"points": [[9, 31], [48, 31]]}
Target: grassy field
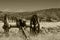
{"points": [[15, 34]]}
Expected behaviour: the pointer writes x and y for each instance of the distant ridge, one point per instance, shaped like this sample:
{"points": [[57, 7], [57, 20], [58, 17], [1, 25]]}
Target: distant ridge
{"points": [[53, 13]]}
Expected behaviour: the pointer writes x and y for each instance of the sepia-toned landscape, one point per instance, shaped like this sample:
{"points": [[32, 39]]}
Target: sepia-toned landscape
{"points": [[29, 19], [53, 25]]}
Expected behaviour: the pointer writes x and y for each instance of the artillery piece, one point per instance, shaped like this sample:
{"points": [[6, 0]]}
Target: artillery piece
{"points": [[34, 24]]}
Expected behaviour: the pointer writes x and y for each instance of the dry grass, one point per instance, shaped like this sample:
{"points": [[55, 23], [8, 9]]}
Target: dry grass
{"points": [[47, 33]]}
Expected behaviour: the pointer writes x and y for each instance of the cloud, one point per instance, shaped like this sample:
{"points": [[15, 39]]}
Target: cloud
{"points": [[13, 10]]}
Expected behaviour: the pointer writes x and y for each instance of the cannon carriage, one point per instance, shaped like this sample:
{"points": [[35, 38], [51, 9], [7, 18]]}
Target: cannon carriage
{"points": [[20, 23], [34, 23]]}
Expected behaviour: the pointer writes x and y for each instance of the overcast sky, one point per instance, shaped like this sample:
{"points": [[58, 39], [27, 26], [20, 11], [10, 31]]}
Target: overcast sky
{"points": [[28, 5]]}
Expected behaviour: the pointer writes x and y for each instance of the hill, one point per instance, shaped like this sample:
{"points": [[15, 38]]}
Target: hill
{"points": [[53, 14]]}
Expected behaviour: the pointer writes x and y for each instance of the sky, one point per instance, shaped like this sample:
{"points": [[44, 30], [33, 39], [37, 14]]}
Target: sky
{"points": [[28, 5]]}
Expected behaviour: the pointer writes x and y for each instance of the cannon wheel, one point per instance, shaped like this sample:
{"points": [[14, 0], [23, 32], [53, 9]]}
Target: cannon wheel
{"points": [[34, 24], [6, 25]]}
